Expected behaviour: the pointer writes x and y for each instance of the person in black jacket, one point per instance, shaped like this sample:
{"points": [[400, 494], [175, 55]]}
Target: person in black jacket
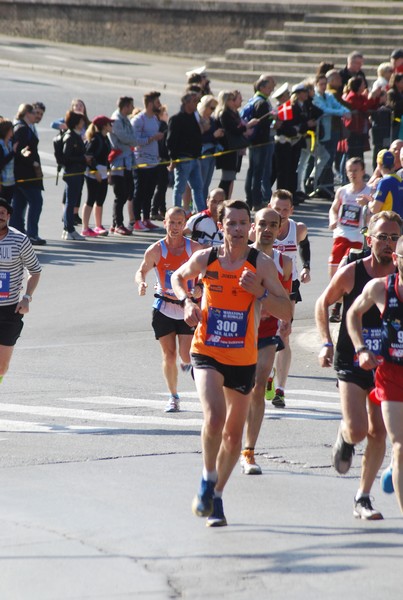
{"points": [[28, 176], [75, 162], [236, 132], [184, 141], [261, 150], [98, 148], [289, 140]]}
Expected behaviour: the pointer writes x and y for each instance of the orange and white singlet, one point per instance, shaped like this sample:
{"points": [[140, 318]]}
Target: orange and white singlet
{"points": [[167, 264], [228, 330]]}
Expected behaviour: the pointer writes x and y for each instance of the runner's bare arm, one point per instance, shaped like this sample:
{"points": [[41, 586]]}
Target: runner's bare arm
{"points": [[334, 210], [195, 266], [276, 302], [151, 258], [340, 284]]}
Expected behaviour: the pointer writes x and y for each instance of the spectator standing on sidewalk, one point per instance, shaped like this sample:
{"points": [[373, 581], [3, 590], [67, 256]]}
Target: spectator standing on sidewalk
{"points": [[122, 140], [146, 127], [184, 143], [28, 176]]}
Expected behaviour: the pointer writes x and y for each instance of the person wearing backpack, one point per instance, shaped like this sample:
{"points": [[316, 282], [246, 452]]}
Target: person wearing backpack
{"points": [[75, 162], [261, 150]]}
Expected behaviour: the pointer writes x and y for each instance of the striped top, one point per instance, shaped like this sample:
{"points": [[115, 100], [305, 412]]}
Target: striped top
{"points": [[16, 255]]}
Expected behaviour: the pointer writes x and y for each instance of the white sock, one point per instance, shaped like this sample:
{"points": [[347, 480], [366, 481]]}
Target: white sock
{"points": [[209, 475], [361, 494]]}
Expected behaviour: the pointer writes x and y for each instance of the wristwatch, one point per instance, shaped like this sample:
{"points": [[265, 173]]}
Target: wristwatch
{"points": [[361, 349], [27, 297]]}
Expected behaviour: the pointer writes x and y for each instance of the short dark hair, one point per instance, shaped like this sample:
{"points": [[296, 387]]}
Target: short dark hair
{"points": [[5, 126], [5, 204], [124, 101], [195, 78], [150, 97], [73, 118], [39, 105], [356, 160], [280, 194], [237, 204], [355, 83]]}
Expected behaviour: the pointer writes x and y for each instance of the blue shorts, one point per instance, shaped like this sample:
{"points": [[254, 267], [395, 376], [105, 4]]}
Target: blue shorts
{"points": [[272, 340]]}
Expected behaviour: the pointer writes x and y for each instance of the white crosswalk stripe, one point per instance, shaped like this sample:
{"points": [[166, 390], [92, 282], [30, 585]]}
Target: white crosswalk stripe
{"points": [[59, 419]]}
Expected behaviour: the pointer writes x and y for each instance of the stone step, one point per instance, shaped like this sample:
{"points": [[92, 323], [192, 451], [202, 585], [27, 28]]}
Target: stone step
{"points": [[238, 75], [295, 52], [294, 73], [347, 28], [276, 56], [296, 45], [355, 18]]}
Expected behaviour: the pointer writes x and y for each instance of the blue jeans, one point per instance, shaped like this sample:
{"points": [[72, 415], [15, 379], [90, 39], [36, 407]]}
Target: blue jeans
{"points": [[74, 187], [268, 173], [24, 197], [207, 166], [254, 176], [189, 171]]}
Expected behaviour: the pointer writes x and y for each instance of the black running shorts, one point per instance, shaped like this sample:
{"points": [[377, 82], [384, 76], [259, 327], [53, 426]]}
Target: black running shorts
{"points": [[11, 325], [240, 379], [164, 325]]}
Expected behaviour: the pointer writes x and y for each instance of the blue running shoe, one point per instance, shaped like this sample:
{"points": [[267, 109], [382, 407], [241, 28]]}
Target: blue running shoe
{"points": [[387, 481], [217, 517], [202, 505]]}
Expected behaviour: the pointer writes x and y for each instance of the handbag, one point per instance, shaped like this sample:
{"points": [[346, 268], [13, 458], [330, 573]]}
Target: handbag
{"points": [[236, 141]]}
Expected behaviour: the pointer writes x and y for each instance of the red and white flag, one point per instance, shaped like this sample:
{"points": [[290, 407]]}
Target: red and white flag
{"points": [[284, 111]]}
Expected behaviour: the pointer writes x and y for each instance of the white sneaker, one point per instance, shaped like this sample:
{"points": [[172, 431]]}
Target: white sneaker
{"points": [[248, 464], [173, 404], [74, 235], [64, 234]]}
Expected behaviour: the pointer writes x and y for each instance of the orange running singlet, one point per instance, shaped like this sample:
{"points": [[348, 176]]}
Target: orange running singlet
{"points": [[228, 330], [167, 264]]}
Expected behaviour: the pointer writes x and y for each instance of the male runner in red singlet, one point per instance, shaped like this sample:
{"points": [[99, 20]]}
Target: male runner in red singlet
{"points": [[387, 294], [165, 256], [267, 226], [238, 281]]}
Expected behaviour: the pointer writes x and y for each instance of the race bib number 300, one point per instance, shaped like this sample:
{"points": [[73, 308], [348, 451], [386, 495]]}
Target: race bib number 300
{"points": [[226, 328]]}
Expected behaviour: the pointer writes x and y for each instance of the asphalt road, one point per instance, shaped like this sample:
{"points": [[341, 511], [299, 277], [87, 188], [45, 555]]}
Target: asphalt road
{"points": [[96, 480]]}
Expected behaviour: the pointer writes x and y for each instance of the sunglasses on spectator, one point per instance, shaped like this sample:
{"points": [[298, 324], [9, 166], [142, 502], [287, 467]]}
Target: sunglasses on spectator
{"points": [[383, 237]]}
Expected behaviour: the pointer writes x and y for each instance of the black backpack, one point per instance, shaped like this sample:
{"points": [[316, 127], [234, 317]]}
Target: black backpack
{"points": [[58, 143]]}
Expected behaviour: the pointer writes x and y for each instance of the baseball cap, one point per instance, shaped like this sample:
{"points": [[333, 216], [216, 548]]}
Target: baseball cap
{"points": [[101, 120], [385, 158]]}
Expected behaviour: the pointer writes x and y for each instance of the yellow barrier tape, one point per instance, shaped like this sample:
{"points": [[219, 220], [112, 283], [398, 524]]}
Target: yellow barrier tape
{"points": [[144, 165], [311, 134]]}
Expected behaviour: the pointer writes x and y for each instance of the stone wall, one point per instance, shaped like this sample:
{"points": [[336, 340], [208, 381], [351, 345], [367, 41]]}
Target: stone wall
{"points": [[168, 26]]}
